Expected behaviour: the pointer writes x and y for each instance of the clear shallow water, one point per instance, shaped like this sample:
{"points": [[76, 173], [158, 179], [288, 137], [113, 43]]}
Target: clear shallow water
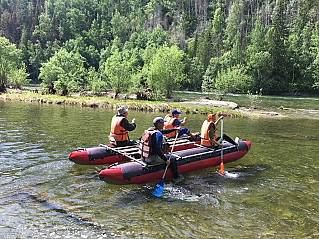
{"points": [[270, 193]]}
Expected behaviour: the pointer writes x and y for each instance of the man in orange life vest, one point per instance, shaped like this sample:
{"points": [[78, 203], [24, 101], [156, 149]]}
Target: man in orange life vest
{"points": [[119, 127], [172, 121], [151, 147], [208, 133]]}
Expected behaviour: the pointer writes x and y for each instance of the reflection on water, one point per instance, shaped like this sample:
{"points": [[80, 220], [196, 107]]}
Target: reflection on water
{"points": [[271, 192]]}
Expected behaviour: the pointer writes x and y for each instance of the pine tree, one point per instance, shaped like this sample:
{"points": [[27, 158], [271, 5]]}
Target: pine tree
{"points": [[313, 69], [275, 39], [298, 48], [258, 59], [217, 33]]}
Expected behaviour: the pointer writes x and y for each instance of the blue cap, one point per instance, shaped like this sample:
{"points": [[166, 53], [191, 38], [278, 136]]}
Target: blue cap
{"points": [[176, 112]]}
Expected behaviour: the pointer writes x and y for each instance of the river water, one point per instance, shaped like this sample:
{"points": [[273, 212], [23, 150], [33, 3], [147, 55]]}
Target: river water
{"points": [[272, 192]]}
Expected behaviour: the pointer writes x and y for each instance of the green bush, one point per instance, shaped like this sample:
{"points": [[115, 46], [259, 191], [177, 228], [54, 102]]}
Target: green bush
{"points": [[65, 71], [233, 80], [12, 70]]}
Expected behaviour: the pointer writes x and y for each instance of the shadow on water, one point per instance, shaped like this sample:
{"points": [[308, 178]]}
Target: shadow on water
{"points": [[88, 170]]}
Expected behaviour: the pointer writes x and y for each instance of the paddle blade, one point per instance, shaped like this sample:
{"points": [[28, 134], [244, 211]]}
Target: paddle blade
{"points": [[157, 191], [221, 171]]}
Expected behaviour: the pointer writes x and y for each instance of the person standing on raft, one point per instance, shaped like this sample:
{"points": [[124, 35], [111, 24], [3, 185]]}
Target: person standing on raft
{"points": [[119, 127], [151, 147], [208, 133], [172, 121]]}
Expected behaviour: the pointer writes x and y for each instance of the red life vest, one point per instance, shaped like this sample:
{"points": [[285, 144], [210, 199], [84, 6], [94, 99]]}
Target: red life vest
{"points": [[145, 146], [117, 131], [205, 140], [168, 124]]}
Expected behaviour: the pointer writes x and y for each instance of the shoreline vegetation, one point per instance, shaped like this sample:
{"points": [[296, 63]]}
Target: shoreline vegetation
{"points": [[196, 106]]}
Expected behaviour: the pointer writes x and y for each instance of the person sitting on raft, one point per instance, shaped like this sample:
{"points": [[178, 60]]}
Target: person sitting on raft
{"points": [[172, 122], [151, 147], [119, 127], [208, 133]]}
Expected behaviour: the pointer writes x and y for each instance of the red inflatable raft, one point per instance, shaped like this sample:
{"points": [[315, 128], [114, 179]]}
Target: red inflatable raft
{"points": [[188, 160], [108, 154]]}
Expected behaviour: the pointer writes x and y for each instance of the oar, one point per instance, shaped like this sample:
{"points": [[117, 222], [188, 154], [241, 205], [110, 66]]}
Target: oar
{"points": [[221, 171], [157, 191]]}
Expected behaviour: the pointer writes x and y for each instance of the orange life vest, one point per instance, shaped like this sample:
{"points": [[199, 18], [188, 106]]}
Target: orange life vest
{"points": [[145, 146], [168, 124], [118, 132], [205, 141]]}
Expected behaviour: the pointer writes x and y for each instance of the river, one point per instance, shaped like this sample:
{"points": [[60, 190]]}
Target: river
{"points": [[272, 192]]}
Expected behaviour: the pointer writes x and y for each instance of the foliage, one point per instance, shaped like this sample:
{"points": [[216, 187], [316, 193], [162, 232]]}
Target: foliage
{"points": [[64, 72], [313, 69], [195, 74], [18, 78], [119, 26], [275, 42], [211, 74], [315, 72], [165, 71], [94, 82], [117, 72], [12, 71], [276, 38], [233, 80]]}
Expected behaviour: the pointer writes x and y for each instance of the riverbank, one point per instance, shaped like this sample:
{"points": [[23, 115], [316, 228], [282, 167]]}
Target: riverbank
{"points": [[200, 106]]}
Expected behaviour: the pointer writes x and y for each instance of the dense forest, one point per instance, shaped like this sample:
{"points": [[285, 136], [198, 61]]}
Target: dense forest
{"points": [[157, 46]]}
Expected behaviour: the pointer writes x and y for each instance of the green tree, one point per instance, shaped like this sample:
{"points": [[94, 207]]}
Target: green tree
{"points": [[117, 72], [259, 63], [36, 58], [211, 74], [203, 50], [275, 41], [94, 35], [315, 73], [149, 53], [60, 12], [64, 72], [217, 33], [120, 27], [299, 49], [43, 31], [165, 71], [210, 41], [94, 81], [195, 75], [18, 78], [234, 80], [91, 55], [313, 68], [234, 24], [228, 60], [158, 36], [12, 71], [76, 20]]}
